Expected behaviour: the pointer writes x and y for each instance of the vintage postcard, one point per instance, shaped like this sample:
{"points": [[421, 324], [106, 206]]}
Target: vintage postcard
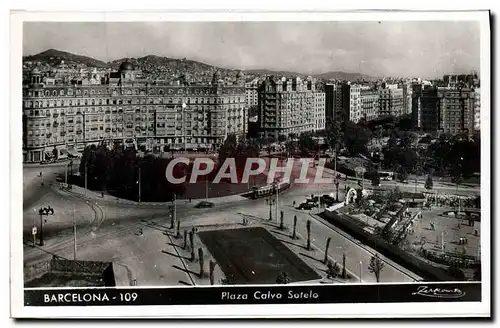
{"points": [[246, 165]]}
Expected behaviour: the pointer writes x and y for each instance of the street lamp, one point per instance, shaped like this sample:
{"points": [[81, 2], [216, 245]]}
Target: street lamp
{"points": [[42, 212], [275, 185], [360, 271], [337, 182], [270, 202]]}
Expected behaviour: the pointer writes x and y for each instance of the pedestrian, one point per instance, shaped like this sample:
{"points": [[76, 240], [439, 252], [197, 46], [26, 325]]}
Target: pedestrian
{"points": [[189, 199], [102, 194]]}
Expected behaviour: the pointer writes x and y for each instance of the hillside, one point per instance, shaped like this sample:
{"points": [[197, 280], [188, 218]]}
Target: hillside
{"points": [[337, 75], [54, 57], [271, 72], [158, 66]]}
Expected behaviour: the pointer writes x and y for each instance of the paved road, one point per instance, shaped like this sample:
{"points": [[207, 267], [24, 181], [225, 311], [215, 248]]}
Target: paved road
{"points": [[111, 239]]}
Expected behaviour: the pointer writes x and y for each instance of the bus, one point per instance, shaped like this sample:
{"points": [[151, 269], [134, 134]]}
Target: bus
{"points": [[386, 175]]}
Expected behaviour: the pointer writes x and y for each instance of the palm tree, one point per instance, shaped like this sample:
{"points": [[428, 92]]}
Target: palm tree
{"points": [[308, 226]]}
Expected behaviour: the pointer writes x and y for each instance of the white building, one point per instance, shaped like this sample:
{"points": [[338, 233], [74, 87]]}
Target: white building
{"points": [[319, 110], [477, 109]]}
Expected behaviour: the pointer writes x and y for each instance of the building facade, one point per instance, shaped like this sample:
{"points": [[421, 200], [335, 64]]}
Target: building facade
{"points": [[391, 101], [369, 104], [286, 106], [444, 109], [477, 109], [319, 110], [332, 105], [425, 104], [456, 110], [126, 108], [251, 93], [407, 98], [351, 103]]}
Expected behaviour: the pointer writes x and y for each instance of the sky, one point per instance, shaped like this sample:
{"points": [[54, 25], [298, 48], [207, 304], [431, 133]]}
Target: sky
{"points": [[411, 49]]}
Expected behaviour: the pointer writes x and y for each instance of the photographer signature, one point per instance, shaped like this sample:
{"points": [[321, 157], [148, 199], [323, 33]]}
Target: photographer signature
{"points": [[439, 292]]}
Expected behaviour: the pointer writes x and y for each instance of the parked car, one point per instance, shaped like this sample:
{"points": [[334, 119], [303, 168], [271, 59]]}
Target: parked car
{"points": [[306, 206], [204, 204], [327, 200]]}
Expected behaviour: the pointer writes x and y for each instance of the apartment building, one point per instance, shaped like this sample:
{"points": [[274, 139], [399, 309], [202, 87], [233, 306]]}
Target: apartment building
{"points": [[285, 106], [125, 107]]}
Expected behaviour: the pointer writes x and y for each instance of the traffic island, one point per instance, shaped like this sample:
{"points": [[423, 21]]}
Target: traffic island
{"points": [[254, 256]]}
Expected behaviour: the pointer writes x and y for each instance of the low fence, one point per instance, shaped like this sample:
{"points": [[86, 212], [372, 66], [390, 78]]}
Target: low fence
{"points": [[57, 265], [36, 270], [416, 265]]}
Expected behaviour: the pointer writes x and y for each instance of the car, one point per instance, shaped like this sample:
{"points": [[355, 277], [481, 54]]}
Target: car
{"points": [[306, 206], [327, 198], [313, 199], [204, 204]]}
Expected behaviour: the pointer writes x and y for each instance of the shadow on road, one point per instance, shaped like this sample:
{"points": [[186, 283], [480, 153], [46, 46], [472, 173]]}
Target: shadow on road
{"points": [[290, 243], [185, 270], [175, 255], [311, 257], [279, 232]]}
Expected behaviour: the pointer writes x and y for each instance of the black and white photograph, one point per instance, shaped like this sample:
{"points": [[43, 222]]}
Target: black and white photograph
{"points": [[224, 159]]}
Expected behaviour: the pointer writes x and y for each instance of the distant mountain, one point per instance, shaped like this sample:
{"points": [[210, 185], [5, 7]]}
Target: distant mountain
{"points": [[153, 64], [54, 57], [337, 75], [271, 72]]}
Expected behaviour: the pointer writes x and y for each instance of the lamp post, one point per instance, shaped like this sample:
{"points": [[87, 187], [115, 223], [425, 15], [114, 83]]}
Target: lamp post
{"points": [[337, 182], [270, 202], [277, 204], [360, 271], [85, 178], [139, 185]]}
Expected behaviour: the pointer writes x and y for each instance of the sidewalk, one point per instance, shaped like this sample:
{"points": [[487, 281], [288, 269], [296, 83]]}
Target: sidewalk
{"points": [[96, 196]]}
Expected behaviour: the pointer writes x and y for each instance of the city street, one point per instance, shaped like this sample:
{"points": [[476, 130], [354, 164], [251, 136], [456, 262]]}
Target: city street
{"points": [[108, 231]]}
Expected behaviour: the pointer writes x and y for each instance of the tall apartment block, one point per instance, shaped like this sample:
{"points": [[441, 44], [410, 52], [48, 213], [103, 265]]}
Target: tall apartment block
{"points": [[333, 101], [425, 102], [251, 93], [351, 103], [319, 110], [369, 103], [391, 101], [444, 109], [407, 97], [477, 109], [286, 106], [126, 108]]}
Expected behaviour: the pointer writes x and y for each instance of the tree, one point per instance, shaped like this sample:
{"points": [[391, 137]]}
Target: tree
{"points": [[376, 266], [356, 139], [283, 278], [456, 272], [282, 138], [308, 226], [334, 135], [344, 273], [326, 249], [200, 255], [333, 269], [294, 236], [211, 266], [428, 183], [477, 273], [306, 142], [191, 243]]}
